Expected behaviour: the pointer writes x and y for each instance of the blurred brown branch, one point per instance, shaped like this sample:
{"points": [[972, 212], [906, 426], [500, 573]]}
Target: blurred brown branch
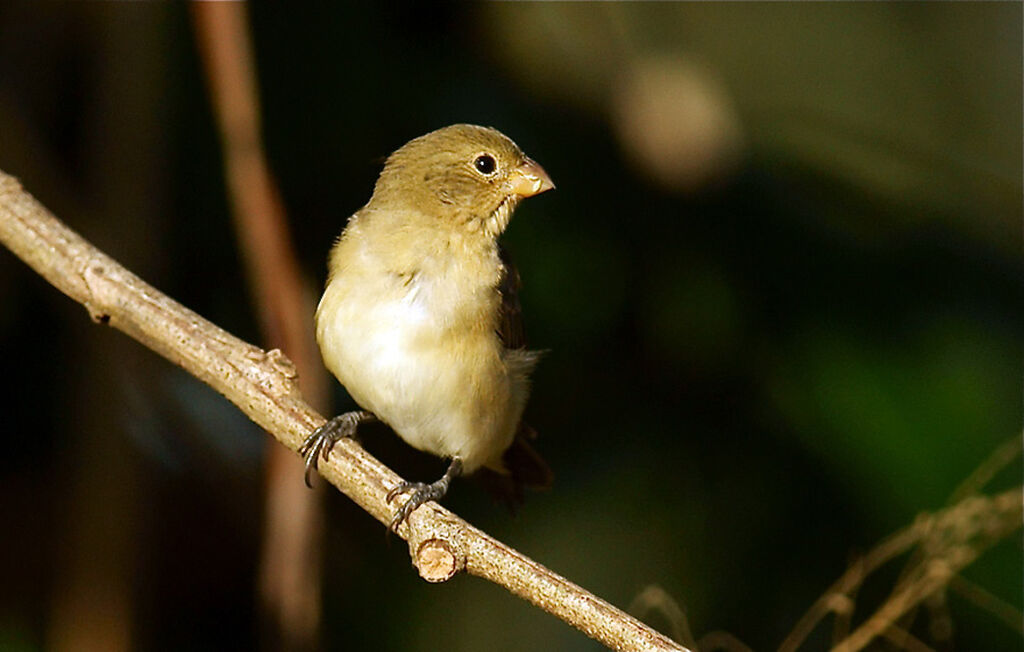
{"points": [[290, 564], [263, 385], [947, 542], [655, 599]]}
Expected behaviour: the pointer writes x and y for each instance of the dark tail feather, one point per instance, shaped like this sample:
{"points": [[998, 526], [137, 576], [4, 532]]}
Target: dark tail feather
{"points": [[524, 467], [525, 463]]}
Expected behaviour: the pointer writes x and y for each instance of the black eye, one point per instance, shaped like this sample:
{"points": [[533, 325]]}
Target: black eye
{"points": [[484, 164]]}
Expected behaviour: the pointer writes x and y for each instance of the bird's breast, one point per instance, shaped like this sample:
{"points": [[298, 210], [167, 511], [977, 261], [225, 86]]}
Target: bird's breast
{"points": [[408, 325], [423, 355]]}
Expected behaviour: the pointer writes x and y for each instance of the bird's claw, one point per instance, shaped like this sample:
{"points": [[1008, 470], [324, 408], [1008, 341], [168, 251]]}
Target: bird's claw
{"points": [[320, 442], [421, 493]]}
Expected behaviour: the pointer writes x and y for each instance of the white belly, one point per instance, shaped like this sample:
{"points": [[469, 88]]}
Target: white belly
{"points": [[444, 389]]}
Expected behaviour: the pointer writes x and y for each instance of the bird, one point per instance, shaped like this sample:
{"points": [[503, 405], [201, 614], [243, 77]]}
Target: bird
{"points": [[420, 319]]}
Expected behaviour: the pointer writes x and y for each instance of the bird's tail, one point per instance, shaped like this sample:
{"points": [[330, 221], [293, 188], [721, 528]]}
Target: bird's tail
{"points": [[523, 467]]}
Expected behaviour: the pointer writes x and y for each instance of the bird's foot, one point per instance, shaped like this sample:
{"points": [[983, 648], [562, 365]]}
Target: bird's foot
{"points": [[320, 442], [421, 493]]}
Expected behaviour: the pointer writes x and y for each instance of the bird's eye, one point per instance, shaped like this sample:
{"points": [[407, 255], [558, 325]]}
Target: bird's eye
{"points": [[485, 164]]}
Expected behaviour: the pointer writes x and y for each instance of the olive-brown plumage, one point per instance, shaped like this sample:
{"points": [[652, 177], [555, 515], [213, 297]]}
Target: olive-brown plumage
{"points": [[419, 319]]}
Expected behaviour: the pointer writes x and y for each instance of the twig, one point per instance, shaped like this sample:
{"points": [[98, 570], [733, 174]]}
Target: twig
{"points": [[998, 460], [1010, 615], [263, 385], [290, 560], [836, 598], [952, 539], [656, 599], [940, 624], [843, 608], [720, 640], [904, 640]]}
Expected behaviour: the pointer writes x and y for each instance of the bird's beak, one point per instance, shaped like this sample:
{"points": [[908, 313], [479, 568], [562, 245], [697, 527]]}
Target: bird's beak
{"points": [[529, 179]]}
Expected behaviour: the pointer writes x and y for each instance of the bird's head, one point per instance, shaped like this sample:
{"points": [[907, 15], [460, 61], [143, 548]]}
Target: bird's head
{"points": [[467, 176]]}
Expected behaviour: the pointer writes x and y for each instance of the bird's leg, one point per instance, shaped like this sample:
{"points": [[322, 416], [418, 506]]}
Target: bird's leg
{"points": [[421, 493], [322, 440]]}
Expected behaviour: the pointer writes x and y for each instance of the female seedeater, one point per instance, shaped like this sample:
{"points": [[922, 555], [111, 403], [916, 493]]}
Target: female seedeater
{"points": [[420, 317]]}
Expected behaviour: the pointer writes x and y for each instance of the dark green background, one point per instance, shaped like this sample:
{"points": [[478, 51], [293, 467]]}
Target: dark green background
{"points": [[747, 383]]}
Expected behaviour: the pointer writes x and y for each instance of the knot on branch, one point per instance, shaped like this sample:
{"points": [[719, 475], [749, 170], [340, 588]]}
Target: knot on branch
{"points": [[271, 370], [98, 299], [282, 364]]}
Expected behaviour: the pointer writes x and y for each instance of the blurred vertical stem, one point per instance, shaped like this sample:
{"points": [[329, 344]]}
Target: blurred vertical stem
{"points": [[290, 566]]}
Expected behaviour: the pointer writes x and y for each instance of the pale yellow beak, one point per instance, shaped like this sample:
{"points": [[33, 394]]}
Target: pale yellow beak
{"points": [[529, 179]]}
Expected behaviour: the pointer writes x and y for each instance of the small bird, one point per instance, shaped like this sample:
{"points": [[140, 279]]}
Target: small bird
{"points": [[420, 319]]}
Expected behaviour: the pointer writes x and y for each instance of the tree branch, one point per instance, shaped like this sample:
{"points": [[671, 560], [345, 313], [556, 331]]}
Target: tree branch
{"points": [[290, 564], [263, 385]]}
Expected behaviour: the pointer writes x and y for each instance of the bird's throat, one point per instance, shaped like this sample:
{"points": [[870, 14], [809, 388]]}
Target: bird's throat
{"points": [[496, 223]]}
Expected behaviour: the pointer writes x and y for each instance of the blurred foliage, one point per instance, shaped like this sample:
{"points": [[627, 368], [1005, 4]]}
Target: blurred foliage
{"points": [[779, 284]]}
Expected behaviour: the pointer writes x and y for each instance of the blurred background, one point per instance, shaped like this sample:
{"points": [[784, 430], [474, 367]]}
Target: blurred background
{"points": [[779, 283]]}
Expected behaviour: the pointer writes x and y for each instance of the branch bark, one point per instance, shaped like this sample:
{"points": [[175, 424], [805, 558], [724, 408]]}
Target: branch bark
{"points": [[263, 384]]}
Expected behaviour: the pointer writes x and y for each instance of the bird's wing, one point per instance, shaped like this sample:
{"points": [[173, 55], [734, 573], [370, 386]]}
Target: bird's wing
{"points": [[510, 319], [524, 466]]}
